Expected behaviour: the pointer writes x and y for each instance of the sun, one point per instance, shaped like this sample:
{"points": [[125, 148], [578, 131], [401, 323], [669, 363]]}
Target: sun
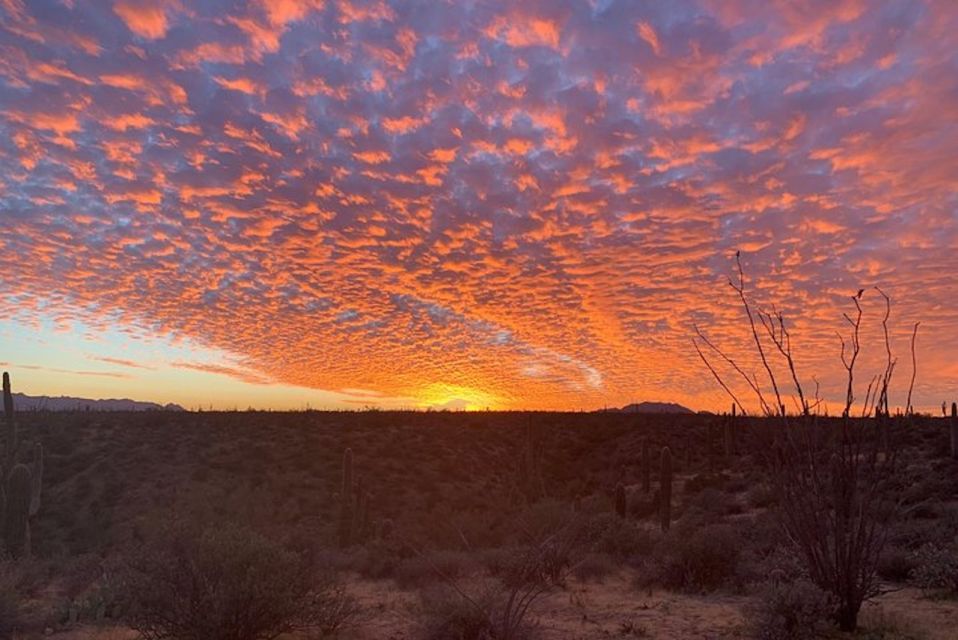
{"points": [[440, 395]]}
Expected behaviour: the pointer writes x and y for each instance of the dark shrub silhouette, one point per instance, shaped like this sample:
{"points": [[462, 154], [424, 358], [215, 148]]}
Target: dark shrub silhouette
{"points": [[227, 583]]}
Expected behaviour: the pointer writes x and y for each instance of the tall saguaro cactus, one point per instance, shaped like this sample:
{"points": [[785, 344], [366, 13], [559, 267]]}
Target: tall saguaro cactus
{"points": [[727, 435], [954, 430], [646, 466], [665, 488], [16, 521], [20, 484], [621, 502], [10, 443], [346, 501]]}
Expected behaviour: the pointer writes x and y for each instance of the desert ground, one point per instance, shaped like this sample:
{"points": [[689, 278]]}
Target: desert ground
{"points": [[444, 500]]}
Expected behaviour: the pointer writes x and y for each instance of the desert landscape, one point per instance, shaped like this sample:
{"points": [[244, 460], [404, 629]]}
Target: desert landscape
{"points": [[448, 515], [479, 319]]}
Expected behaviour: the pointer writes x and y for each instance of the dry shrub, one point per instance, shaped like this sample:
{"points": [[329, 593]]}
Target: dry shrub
{"points": [[450, 616], [896, 564], [790, 611], [227, 583], [418, 571], [594, 567], [695, 559], [936, 568], [10, 611]]}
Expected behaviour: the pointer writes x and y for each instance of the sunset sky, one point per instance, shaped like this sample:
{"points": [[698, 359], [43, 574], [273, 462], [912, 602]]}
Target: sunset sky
{"points": [[495, 204]]}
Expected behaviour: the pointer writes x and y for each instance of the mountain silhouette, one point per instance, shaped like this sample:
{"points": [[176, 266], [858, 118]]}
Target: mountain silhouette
{"points": [[655, 407], [24, 402]]}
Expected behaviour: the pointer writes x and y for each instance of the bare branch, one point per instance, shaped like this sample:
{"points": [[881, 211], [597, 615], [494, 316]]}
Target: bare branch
{"points": [[783, 342], [734, 365], [849, 362], [890, 364], [717, 377], [751, 321], [914, 370]]}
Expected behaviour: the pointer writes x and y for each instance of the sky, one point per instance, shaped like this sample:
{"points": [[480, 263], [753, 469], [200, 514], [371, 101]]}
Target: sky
{"points": [[508, 205]]}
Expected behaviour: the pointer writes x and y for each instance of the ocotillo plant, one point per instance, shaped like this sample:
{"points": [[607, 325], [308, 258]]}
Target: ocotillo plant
{"points": [[620, 500], [665, 488]]}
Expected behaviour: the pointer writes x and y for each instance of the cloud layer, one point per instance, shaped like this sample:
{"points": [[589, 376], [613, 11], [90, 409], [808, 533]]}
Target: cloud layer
{"points": [[527, 202]]}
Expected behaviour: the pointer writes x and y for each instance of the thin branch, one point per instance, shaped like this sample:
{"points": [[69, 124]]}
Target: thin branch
{"points": [[717, 377], [783, 342], [890, 364], [909, 410], [740, 288], [734, 365], [849, 361]]}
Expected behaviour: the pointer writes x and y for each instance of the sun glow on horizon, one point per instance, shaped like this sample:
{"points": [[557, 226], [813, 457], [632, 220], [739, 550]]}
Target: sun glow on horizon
{"points": [[456, 397]]}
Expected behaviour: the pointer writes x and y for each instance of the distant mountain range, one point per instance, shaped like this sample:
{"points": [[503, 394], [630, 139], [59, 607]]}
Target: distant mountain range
{"points": [[24, 402], [654, 407]]}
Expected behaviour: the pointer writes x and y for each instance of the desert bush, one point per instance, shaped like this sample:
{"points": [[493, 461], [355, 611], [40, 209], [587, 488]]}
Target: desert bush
{"points": [[896, 564], [936, 568], [595, 566], [377, 560], [759, 563], [695, 558], [450, 616], [10, 612], [790, 611], [500, 609], [425, 569], [702, 481], [227, 583], [761, 496], [711, 505], [878, 624], [623, 539]]}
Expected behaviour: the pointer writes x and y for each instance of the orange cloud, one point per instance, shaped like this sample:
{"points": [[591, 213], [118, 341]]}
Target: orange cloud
{"points": [[145, 19]]}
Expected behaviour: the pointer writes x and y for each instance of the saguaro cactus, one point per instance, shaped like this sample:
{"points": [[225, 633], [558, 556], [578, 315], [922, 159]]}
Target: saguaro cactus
{"points": [[646, 466], [16, 524], [665, 488], [20, 485], [954, 430], [7, 397], [36, 479], [346, 500], [620, 500], [728, 434], [10, 442]]}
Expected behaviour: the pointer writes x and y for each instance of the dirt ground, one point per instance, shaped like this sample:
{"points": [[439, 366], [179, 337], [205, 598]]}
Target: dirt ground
{"points": [[613, 608]]}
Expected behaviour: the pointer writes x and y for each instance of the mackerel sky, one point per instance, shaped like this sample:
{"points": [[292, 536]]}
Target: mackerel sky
{"points": [[481, 204]]}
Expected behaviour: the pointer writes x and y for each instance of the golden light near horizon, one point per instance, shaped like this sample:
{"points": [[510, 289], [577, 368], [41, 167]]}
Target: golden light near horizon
{"points": [[497, 205], [455, 397]]}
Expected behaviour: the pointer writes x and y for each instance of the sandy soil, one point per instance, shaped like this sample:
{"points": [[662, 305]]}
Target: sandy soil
{"points": [[612, 608]]}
